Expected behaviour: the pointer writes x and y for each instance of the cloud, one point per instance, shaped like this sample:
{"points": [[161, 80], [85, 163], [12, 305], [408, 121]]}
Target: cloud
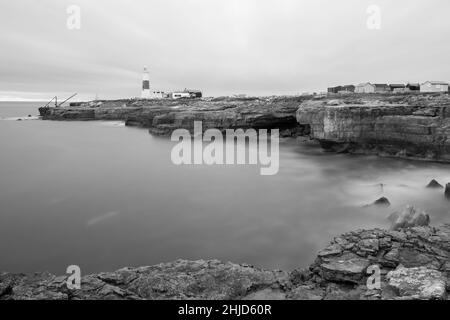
{"points": [[221, 46]]}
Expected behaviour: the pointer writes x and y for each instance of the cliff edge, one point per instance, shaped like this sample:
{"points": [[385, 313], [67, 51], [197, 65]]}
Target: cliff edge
{"points": [[162, 117], [414, 126], [405, 126]]}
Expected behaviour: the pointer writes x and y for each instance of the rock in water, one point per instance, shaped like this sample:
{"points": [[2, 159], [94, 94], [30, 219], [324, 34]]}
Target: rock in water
{"points": [[383, 202], [434, 185], [409, 218], [418, 283], [447, 191]]}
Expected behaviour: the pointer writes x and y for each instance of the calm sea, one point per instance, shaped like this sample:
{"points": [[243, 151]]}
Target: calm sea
{"points": [[103, 196]]}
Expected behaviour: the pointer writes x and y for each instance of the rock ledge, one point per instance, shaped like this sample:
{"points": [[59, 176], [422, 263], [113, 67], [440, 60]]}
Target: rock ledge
{"points": [[414, 264]]}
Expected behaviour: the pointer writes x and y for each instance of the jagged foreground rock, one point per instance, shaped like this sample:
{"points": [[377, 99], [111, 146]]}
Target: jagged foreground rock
{"points": [[414, 264], [409, 217]]}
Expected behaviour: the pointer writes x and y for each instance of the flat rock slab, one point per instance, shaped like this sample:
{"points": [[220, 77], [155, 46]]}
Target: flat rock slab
{"points": [[346, 268], [418, 283]]}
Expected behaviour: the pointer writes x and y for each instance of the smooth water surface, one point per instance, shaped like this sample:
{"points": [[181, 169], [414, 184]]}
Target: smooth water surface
{"points": [[103, 196]]}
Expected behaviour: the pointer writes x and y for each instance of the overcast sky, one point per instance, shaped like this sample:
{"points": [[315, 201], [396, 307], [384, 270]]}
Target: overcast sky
{"points": [[222, 47]]}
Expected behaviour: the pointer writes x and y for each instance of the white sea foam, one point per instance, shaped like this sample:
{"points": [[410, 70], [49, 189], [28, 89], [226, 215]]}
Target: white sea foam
{"points": [[113, 123], [21, 118]]}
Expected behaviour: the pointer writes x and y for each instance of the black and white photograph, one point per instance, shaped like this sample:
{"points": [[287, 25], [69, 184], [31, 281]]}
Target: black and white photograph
{"points": [[237, 151]]}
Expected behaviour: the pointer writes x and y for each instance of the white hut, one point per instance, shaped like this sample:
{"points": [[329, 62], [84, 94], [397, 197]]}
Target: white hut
{"points": [[434, 86], [365, 88], [179, 95]]}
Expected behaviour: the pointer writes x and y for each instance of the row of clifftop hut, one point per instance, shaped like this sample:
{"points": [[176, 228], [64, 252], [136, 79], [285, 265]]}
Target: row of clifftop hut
{"points": [[428, 86]]}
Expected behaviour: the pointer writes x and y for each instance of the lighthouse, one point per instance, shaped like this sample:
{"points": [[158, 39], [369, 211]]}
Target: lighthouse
{"points": [[145, 84]]}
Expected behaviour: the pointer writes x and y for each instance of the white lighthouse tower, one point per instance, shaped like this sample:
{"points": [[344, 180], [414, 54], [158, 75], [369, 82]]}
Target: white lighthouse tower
{"points": [[145, 84]]}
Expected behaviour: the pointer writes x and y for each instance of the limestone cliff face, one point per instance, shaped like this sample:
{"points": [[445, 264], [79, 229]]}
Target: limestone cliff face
{"points": [[405, 126], [410, 126], [162, 117], [413, 263]]}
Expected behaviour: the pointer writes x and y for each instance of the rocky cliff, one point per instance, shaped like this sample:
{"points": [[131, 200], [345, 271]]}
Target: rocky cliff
{"points": [[164, 116], [409, 126], [413, 263], [403, 125]]}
